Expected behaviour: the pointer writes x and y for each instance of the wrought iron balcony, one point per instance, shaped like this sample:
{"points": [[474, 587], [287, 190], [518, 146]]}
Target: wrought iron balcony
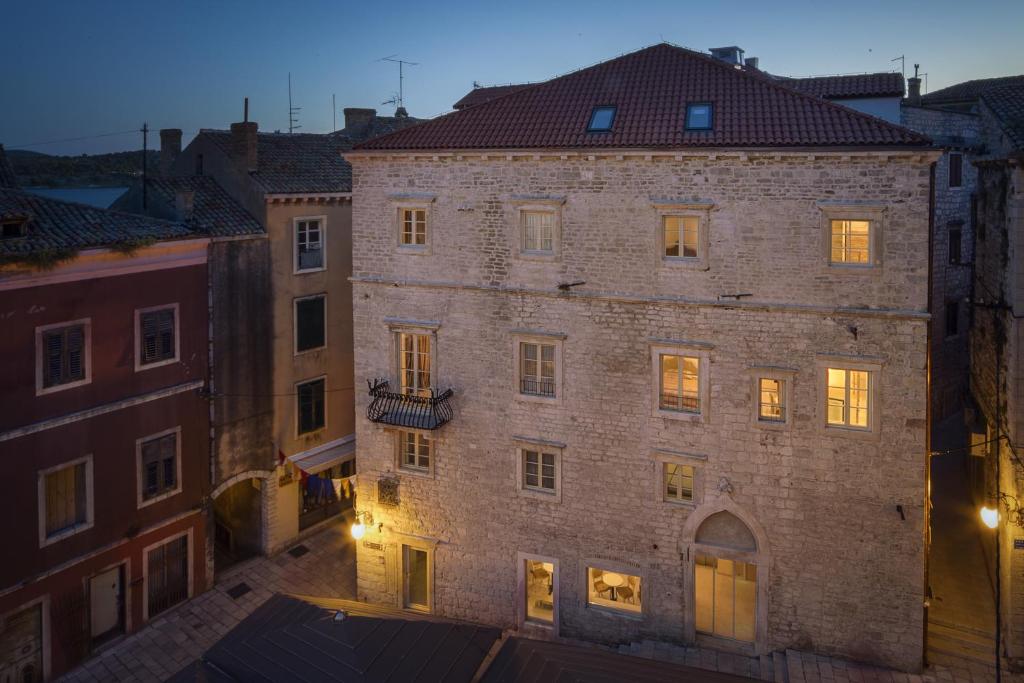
{"points": [[413, 410]]}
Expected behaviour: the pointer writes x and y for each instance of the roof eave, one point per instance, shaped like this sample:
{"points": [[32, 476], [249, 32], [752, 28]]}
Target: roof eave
{"points": [[787, 150]]}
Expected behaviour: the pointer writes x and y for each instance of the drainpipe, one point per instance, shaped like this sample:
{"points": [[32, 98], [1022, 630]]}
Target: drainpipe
{"points": [[928, 415]]}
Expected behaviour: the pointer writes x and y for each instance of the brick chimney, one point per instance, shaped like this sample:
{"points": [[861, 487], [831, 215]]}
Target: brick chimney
{"points": [[357, 119], [170, 148], [914, 87], [243, 146]]}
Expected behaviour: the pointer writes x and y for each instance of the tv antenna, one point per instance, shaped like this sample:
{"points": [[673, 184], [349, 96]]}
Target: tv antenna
{"points": [[397, 100], [902, 59], [293, 112]]}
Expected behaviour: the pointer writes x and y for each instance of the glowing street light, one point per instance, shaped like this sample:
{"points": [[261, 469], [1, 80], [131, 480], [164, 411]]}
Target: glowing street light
{"points": [[359, 529], [990, 517]]}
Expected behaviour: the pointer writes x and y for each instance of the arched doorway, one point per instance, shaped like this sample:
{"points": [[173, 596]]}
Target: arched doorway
{"points": [[238, 519], [727, 576]]}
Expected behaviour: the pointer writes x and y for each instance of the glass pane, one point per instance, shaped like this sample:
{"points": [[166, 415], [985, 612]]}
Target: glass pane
{"points": [[670, 382], [601, 118], [704, 590], [746, 601], [540, 591], [617, 590], [724, 606], [698, 116], [416, 589], [770, 398], [836, 401], [690, 228], [859, 398], [671, 226]]}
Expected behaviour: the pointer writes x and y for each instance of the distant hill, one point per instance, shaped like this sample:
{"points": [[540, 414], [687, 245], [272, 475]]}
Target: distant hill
{"points": [[118, 169]]}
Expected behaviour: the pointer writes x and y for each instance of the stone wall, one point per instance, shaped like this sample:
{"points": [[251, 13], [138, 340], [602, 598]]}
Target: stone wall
{"points": [[842, 568]]}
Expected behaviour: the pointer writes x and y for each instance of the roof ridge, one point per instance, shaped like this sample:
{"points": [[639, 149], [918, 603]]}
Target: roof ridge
{"points": [[123, 214]]}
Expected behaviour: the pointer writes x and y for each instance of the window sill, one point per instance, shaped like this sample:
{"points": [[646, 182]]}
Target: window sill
{"points": [[773, 426], [319, 431], [145, 502], [415, 472], [743, 647], [851, 432], [65, 533], [421, 250], [539, 256], [853, 268], [545, 496], [42, 391], [688, 504], [307, 271], [615, 612], [685, 262], [679, 415], [306, 352], [140, 367], [537, 398]]}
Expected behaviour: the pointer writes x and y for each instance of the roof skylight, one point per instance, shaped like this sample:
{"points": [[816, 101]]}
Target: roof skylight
{"points": [[601, 119]]}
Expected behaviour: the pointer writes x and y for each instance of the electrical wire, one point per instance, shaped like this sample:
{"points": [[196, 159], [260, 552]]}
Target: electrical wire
{"points": [[86, 137]]}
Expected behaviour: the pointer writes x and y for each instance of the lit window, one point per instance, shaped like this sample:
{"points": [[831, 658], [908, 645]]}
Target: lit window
{"points": [[414, 363], [614, 590], [681, 236], [680, 383], [413, 228], [771, 400], [537, 371], [539, 470], [698, 116], [678, 482], [415, 450], [726, 597], [538, 231], [310, 400], [601, 119], [309, 243], [848, 397], [65, 493], [851, 242], [540, 588]]}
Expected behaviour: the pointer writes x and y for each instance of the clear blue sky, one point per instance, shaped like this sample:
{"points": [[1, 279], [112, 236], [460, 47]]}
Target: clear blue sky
{"points": [[76, 69]]}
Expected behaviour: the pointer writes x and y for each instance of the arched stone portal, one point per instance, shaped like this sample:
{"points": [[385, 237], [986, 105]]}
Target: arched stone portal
{"points": [[237, 518]]}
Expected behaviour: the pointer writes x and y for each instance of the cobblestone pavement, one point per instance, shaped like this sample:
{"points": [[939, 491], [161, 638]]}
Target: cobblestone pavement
{"points": [[171, 641]]}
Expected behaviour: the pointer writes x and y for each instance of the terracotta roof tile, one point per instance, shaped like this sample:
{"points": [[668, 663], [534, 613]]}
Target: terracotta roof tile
{"points": [[651, 88], [487, 93], [1007, 103], [969, 91], [841, 87]]}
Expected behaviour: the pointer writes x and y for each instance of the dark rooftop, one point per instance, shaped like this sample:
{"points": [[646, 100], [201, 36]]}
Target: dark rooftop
{"points": [[847, 87], [1007, 104], [213, 213], [487, 93], [651, 89], [969, 91], [7, 177]]}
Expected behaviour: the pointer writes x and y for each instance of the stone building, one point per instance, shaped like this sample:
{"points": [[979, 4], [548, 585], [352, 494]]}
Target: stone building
{"points": [[648, 353]]}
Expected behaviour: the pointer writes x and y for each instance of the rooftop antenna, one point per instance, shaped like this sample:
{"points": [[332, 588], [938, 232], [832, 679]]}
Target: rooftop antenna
{"points": [[401, 77], [902, 59], [145, 134], [334, 113], [293, 112]]}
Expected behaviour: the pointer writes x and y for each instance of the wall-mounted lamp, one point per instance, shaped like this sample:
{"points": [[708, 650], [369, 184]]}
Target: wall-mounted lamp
{"points": [[359, 524], [1014, 514]]}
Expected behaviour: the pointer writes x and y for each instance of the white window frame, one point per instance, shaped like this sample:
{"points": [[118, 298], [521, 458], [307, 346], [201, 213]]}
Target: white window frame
{"points": [[86, 323], [663, 456], [555, 339], [428, 471], [670, 347], [548, 205], [682, 209], [540, 446], [400, 208], [873, 367], [145, 571], [140, 500], [90, 518], [295, 324], [783, 374], [618, 567], [872, 212], [521, 581], [404, 541], [296, 270], [137, 351], [295, 406]]}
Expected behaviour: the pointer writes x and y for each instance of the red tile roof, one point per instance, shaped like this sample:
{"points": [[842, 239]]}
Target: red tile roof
{"points": [[841, 87], [487, 93], [651, 88], [969, 91]]}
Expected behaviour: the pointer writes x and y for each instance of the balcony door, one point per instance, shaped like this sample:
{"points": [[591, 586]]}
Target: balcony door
{"points": [[416, 578]]}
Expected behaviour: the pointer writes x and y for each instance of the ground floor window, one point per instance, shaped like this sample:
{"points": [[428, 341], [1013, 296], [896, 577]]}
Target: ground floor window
{"points": [[613, 589], [167, 575], [725, 597], [415, 578], [325, 494], [21, 645], [540, 588]]}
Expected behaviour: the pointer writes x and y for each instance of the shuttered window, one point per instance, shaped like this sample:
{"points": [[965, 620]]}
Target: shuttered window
{"points": [[63, 355], [309, 323], [159, 464], [167, 575], [65, 492], [310, 398], [156, 336]]}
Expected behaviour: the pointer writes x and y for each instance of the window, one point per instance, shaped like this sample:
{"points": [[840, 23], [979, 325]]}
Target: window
{"points": [[851, 242], [309, 323], [848, 397], [199, 164], [414, 451], [601, 119], [699, 116], [167, 575], [678, 482], [158, 336], [955, 245], [63, 355], [12, 229], [725, 597], [413, 227], [414, 362], [539, 471], [309, 244], [310, 399], [956, 169], [771, 399], [539, 585], [159, 465], [682, 236], [415, 578], [538, 229], [537, 369], [65, 495], [615, 590], [952, 318], [680, 383]]}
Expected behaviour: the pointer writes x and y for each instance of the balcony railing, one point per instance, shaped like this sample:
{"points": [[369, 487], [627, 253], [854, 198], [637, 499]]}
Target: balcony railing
{"points": [[415, 411]]}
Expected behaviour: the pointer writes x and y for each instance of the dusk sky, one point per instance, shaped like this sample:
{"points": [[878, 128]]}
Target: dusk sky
{"points": [[77, 69]]}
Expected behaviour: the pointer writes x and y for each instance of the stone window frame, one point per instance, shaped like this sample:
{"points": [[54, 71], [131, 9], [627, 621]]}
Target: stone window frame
{"points": [[140, 500], [556, 448], [949, 170], [695, 209], [788, 378], [521, 618], [86, 324], [295, 323], [322, 429], [557, 339], [681, 347], [413, 202], [427, 545], [90, 500], [619, 567], [544, 204], [296, 270], [662, 456], [397, 326], [400, 466], [872, 212], [869, 364], [139, 365]]}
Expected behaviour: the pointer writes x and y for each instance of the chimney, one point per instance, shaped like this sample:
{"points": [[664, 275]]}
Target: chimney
{"points": [[243, 145], [730, 55], [751, 62], [184, 203], [356, 118], [914, 87], [170, 148]]}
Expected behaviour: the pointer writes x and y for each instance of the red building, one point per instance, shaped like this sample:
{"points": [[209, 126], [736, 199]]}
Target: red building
{"points": [[104, 427]]}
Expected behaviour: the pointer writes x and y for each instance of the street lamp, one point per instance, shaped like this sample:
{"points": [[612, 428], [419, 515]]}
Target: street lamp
{"points": [[359, 524], [990, 517]]}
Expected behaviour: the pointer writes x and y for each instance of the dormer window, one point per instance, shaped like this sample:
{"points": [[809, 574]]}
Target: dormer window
{"points": [[12, 228], [698, 116], [601, 119]]}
